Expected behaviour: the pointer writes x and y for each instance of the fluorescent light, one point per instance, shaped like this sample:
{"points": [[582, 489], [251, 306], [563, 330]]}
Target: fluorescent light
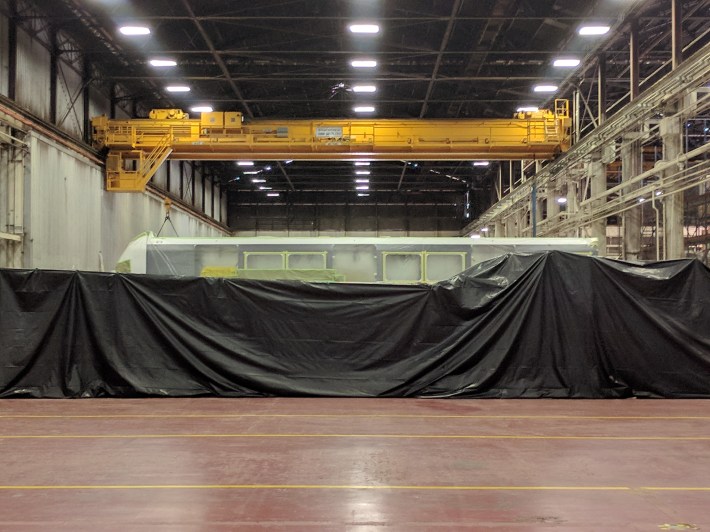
{"points": [[565, 62], [252, 172], [362, 172], [258, 180], [481, 163], [593, 30], [288, 162], [364, 28], [177, 88], [273, 194], [134, 30], [528, 109], [476, 236], [202, 109], [362, 187], [264, 188], [641, 200], [364, 109], [659, 192], [364, 88], [484, 229], [245, 163], [362, 163], [561, 201], [362, 180], [163, 63], [362, 194], [545, 88], [363, 63]]}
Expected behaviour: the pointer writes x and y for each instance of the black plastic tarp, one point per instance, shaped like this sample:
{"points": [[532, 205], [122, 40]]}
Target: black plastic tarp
{"points": [[539, 325]]}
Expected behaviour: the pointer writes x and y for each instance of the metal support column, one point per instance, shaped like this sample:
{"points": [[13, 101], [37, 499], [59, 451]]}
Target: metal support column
{"points": [[673, 205], [499, 230], [597, 176], [533, 210], [634, 60], [12, 51], [630, 168], [601, 89], [86, 98], [676, 32], [53, 74]]}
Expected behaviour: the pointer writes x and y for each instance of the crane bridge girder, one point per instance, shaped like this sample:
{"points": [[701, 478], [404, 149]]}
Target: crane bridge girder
{"points": [[137, 147]]}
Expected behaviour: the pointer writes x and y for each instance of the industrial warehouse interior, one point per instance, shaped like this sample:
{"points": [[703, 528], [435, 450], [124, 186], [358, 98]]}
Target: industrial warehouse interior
{"points": [[354, 265]]}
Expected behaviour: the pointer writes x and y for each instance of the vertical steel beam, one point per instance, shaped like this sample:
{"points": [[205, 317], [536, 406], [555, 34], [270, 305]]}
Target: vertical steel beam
{"points": [[676, 32], [533, 210], [601, 89], [673, 227], [577, 116], [181, 190], [86, 98], [630, 168], [597, 176], [53, 74], [114, 100], [12, 51], [634, 60]]}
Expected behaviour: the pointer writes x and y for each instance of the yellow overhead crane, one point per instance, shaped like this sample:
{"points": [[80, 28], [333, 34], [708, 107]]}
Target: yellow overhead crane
{"points": [[137, 147]]}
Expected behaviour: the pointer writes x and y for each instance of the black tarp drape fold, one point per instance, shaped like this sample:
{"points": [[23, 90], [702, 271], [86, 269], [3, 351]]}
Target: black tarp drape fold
{"points": [[538, 325]]}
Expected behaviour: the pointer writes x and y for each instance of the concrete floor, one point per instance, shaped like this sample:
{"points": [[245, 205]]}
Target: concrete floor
{"points": [[355, 464]]}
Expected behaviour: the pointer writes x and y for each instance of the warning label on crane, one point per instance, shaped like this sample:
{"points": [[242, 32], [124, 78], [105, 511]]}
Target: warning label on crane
{"points": [[329, 132]]}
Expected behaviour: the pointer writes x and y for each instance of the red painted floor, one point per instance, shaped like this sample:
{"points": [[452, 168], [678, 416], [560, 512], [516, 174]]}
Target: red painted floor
{"points": [[355, 464]]}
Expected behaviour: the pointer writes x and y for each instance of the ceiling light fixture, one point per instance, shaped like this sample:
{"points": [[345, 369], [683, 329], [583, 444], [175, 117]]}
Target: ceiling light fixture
{"points": [[364, 28], [362, 163], [481, 163], [202, 109], [134, 30], [252, 172], [562, 200], [527, 109], [364, 109], [362, 194], [177, 88], [593, 30], [545, 88], [484, 229], [362, 180], [362, 172], [163, 63], [264, 188], [566, 62], [245, 163], [258, 180], [363, 63], [364, 88], [273, 194], [362, 187]]}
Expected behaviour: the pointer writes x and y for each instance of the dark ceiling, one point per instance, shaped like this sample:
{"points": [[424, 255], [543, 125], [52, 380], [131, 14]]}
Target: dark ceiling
{"points": [[435, 59]]}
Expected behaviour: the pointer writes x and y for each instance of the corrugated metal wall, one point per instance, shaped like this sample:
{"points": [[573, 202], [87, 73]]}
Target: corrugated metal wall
{"points": [[70, 105], [75, 224], [3, 55], [70, 221], [33, 75]]}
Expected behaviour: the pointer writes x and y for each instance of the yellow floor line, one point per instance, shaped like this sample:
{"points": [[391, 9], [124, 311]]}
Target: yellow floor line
{"points": [[393, 436], [344, 416], [316, 487]]}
